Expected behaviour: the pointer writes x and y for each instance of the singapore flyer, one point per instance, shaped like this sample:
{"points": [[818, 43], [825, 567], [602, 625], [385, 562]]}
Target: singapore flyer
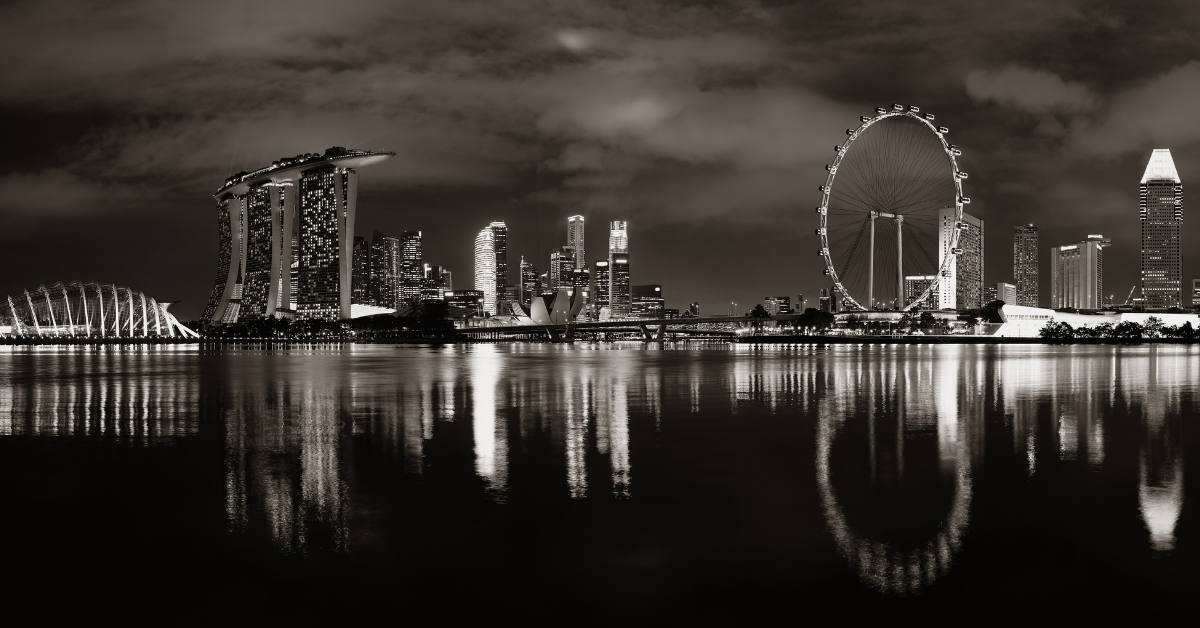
{"points": [[891, 213]]}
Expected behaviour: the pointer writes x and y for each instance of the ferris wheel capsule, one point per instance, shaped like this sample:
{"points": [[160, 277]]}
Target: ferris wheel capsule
{"points": [[849, 131], [956, 251], [820, 210], [914, 109], [897, 107], [965, 201], [825, 272], [962, 175], [943, 130], [822, 188], [929, 116], [880, 110], [864, 118], [820, 232], [837, 149]]}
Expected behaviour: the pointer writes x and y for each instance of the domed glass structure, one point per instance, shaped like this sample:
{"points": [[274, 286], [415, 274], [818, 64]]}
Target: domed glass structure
{"points": [[88, 310]]}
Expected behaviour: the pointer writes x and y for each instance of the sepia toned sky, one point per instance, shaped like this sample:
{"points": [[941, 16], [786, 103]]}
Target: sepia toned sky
{"points": [[706, 125]]}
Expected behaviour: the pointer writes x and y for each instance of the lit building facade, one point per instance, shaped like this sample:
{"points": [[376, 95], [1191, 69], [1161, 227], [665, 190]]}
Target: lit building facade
{"points": [[575, 240], [600, 305], [385, 270], [530, 283], [1161, 201], [1025, 264], [989, 294], [412, 269], [485, 269], [648, 301], [562, 263], [360, 283], [962, 287], [914, 285], [296, 214], [1006, 292], [1195, 292], [777, 305], [1077, 274], [618, 269]]}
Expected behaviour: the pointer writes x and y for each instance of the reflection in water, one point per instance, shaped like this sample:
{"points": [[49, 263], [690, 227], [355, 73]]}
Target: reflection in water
{"points": [[899, 453], [919, 397]]}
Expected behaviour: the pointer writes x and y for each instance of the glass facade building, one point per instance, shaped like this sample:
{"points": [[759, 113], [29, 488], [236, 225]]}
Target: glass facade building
{"points": [[962, 288], [618, 269], [286, 236], [1161, 211], [1025, 264], [412, 269], [1077, 274]]}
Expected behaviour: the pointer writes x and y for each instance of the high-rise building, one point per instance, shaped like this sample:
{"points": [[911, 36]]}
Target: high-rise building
{"points": [[435, 283], [360, 283], [600, 304], [562, 262], [412, 268], [694, 309], [618, 269], [777, 305], [1006, 292], [529, 283], [961, 287], [1195, 292], [915, 286], [500, 244], [575, 240], [385, 270], [485, 269], [826, 302], [470, 299], [1162, 215], [989, 294], [1025, 264], [1077, 279], [298, 212]]}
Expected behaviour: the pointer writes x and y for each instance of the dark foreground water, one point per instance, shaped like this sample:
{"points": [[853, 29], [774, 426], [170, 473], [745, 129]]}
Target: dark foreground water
{"points": [[599, 483]]}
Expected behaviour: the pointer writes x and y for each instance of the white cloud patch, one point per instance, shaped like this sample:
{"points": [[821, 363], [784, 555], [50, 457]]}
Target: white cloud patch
{"points": [[1036, 91], [1158, 114]]}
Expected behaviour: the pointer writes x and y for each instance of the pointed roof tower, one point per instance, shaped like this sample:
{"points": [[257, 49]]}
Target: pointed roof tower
{"points": [[1161, 166]]}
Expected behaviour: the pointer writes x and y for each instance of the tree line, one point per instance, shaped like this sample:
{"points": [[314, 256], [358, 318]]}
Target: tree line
{"points": [[1152, 328]]}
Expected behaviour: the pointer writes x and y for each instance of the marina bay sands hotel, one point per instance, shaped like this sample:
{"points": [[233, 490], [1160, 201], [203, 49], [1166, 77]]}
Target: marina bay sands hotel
{"points": [[286, 237]]}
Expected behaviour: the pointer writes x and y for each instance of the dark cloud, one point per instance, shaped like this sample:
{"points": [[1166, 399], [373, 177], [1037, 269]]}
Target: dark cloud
{"points": [[705, 124]]}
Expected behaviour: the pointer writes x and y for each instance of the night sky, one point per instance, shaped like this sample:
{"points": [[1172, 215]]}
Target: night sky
{"points": [[706, 125]]}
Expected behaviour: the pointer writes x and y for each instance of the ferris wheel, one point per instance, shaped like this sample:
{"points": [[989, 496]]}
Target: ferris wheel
{"points": [[891, 213]]}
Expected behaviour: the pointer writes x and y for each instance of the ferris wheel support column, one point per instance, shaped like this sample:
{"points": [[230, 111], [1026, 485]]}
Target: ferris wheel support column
{"points": [[899, 262], [871, 266]]}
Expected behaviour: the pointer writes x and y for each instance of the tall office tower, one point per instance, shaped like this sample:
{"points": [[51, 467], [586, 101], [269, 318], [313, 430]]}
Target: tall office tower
{"points": [[500, 244], [826, 302], [491, 266], [1025, 264], [360, 284], [575, 240], [581, 284], [435, 283], [989, 294], [694, 309], [385, 270], [915, 285], [529, 283], [962, 289], [1195, 292], [562, 262], [1162, 215], [600, 280], [777, 305], [298, 212], [618, 268], [412, 270], [1077, 278]]}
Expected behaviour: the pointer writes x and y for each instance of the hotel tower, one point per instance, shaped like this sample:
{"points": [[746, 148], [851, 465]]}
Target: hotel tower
{"points": [[294, 218], [1161, 212]]}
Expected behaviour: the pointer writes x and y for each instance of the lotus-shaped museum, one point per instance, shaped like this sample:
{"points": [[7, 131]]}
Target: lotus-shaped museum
{"points": [[88, 309]]}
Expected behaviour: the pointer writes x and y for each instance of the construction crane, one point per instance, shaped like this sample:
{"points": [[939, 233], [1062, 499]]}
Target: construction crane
{"points": [[1130, 295]]}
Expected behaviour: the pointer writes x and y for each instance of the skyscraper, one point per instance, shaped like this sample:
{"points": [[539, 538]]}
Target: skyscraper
{"points": [[575, 240], [618, 269], [500, 247], [298, 213], [777, 305], [962, 288], [915, 285], [1006, 292], [1025, 264], [600, 302], [491, 267], [562, 262], [485, 268], [647, 301], [1161, 215], [529, 282], [360, 284], [1077, 274], [412, 269], [385, 270]]}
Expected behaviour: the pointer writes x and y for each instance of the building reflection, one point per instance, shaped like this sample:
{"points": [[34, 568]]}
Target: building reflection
{"points": [[1160, 450], [134, 395]]}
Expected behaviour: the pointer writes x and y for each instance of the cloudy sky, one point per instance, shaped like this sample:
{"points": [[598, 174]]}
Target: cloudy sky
{"points": [[706, 125]]}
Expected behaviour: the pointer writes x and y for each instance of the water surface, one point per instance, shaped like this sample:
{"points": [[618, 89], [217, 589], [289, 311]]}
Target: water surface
{"points": [[601, 482]]}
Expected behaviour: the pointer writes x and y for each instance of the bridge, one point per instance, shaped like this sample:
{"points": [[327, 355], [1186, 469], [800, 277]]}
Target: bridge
{"points": [[651, 329]]}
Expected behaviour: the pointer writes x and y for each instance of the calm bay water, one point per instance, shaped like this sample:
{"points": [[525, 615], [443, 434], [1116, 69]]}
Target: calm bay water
{"points": [[588, 482]]}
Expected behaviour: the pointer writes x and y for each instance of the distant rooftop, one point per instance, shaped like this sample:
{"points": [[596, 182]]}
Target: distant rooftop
{"points": [[278, 168], [1161, 167]]}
